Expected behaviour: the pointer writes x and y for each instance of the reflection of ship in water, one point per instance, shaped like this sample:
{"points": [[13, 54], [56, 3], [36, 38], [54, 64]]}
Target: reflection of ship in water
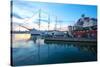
{"points": [[88, 47], [40, 51], [34, 38], [37, 39]]}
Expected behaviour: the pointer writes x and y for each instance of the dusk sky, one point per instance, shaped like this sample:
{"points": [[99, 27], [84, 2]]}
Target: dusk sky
{"points": [[23, 11]]}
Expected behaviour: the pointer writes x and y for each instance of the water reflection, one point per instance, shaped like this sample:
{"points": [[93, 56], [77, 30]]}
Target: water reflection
{"points": [[35, 50], [90, 47]]}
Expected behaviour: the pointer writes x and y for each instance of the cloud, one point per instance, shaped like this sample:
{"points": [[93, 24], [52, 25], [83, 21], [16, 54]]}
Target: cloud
{"points": [[27, 14], [16, 15], [24, 9], [17, 20]]}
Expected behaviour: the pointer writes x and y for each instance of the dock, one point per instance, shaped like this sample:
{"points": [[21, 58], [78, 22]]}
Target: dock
{"points": [[70, 39]]}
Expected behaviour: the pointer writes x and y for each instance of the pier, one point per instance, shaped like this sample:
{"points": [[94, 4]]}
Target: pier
{"points": [[71, 39]]}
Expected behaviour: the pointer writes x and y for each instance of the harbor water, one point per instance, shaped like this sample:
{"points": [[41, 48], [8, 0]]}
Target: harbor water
{"points": [[27, 50]]}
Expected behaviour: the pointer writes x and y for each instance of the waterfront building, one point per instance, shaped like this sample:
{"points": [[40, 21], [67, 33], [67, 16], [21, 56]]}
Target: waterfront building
{"points": [[85, 22], [85, 27]]}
